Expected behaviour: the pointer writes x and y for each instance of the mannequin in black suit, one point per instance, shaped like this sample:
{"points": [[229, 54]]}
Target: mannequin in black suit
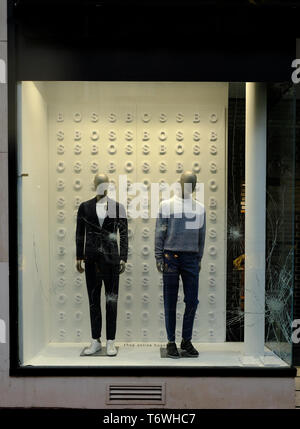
{"points": [[98, 222]]}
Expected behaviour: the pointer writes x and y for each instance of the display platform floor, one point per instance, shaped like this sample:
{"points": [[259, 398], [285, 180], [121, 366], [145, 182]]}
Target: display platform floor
{"points": [[148, 354]]}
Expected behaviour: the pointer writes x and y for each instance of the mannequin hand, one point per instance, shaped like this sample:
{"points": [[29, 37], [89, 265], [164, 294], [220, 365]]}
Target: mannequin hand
{"points": [[122, 266], [199, 266], [160, 266], [79, 267]]}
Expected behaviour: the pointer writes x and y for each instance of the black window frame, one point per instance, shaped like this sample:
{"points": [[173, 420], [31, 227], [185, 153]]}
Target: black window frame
{"points": [[164, 59]]}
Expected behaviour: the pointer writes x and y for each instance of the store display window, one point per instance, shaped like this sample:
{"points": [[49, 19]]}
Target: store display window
{"points": [[134, 246]]}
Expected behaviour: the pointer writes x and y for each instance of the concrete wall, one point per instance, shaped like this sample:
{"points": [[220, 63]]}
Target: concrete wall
{"points": [[89, 392]]}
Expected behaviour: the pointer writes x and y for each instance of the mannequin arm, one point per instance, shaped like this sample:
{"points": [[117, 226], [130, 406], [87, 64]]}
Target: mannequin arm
{"points": [[123, 231], [202, 232], [80, 233], [161, 228]]}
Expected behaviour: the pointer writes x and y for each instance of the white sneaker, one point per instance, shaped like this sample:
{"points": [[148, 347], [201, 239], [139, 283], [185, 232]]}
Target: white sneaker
{"points": [[94, 347], [111, 348]]}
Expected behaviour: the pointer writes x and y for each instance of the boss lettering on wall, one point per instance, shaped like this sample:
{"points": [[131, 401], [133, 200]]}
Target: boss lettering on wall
{"points": [[150, 143]]}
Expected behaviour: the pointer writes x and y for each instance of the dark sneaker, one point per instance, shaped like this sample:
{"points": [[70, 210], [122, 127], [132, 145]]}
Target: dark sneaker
{"points": [[188, 348], [172, 351]]}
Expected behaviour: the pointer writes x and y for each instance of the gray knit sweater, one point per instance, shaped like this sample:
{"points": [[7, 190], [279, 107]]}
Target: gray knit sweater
{"points": [[180, 226]]}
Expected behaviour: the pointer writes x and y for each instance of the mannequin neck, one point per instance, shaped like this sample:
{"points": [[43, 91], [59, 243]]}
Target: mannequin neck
{"points": [[181, 196], [101, 197], [186, 196]]}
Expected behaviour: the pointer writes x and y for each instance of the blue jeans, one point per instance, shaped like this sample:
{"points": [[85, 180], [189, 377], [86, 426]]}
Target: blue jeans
{"points": [[186, 265]]}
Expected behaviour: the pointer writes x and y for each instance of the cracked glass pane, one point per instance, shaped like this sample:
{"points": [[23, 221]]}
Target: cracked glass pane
{"points": [[279, 217], [236, 213]]}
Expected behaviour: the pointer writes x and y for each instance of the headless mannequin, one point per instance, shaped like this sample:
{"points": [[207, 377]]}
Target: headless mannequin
{"points": [[101, 182]]}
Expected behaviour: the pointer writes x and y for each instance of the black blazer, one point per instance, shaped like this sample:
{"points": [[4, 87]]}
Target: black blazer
{"points": [[92, 240]]}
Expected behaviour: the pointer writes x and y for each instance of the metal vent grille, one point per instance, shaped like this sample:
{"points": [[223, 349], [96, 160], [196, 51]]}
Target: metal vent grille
{"points": [[136, 394]]}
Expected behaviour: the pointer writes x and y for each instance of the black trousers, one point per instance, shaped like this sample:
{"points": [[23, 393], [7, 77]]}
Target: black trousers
{"points": [[96, 273]]}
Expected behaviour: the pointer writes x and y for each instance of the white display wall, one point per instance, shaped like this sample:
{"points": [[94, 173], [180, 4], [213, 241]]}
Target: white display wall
{"points": [[151, 132], [33, 220]]}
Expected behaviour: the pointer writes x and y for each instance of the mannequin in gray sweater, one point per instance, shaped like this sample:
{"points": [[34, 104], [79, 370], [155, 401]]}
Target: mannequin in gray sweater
{"points": [[179, 245]]}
